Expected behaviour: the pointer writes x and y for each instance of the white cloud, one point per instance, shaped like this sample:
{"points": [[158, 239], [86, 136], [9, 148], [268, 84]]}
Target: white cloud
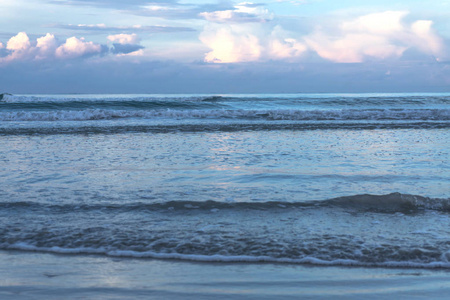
{"points": [[20, 48], [245, 43], [46, 46], [244, 35], [232, 37], [124, 38], [1, 45], [425, 38], [242, 13], [384, 23], [74, 47], [295, 2], [380, 36], [229, 45], [20, 42]]}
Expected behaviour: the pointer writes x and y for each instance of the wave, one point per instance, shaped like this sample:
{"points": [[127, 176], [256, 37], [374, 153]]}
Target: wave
{"points": [[216, 127], [110, 98], [443, 261], [269, 115], [389, 203], [393, 230], [345, 99]]}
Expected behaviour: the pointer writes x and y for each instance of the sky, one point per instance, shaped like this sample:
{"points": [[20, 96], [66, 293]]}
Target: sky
{"points": [[224, 46]]}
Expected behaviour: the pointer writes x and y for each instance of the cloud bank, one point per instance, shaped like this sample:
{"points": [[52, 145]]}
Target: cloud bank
{"points": [[20, 48], [378, 36], [247, 33], [48, 47]]}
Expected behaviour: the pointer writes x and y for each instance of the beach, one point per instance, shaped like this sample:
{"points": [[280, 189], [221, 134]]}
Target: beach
{"points": [[48, 276]]}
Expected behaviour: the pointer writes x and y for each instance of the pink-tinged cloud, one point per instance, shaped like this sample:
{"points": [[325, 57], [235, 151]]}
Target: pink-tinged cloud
{"points": [[229, 45], [124, 38], [384, 23], [46, 46], [379, 36], [75, 47], [242, 13], [426, 39], [20, 42], [247, 43], [20, 48]]}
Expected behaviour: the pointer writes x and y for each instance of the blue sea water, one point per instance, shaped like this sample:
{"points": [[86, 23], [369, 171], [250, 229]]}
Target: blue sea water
{"points": [[328, 179]]}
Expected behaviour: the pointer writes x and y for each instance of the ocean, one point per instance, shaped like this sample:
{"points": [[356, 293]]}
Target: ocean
{"points": [[297, 179]]}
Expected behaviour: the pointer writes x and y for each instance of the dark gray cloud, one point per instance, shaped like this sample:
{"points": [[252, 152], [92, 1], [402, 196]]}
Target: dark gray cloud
{"points": [[121, 29], [4, 52], [125, 48]]}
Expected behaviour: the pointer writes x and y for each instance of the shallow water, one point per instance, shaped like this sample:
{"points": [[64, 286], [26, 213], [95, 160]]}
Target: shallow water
{"points": [[97, 277]]}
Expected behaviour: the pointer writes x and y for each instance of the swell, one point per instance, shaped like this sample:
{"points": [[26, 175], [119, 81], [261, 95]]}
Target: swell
{"points": [[389, 203]]}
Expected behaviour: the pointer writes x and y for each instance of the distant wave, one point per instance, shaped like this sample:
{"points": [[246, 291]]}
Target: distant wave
{"points": [[424, 100]]}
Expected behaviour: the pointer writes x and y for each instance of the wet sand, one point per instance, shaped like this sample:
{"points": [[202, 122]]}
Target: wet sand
{"points": [[31, 275]]}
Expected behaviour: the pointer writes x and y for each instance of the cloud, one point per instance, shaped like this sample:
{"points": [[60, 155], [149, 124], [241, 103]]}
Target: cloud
{"points": [[118, 4], [129, 49], [126, 44], [295, 2], [249, 42], [177, 11], [20, 48], [377, 36], [121, 29], [17, 47], [245, 34], [124, 38], [425, 38], [19, 43], [230, 46], [242, 13], [75, 47], [46, 46]]}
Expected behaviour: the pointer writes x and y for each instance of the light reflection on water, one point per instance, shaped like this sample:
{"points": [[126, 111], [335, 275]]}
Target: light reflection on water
{"points": [[246, 166]]}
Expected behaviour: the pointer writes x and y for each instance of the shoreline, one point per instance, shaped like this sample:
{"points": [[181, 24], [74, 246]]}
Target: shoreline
{"points": [[32, 275]]}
